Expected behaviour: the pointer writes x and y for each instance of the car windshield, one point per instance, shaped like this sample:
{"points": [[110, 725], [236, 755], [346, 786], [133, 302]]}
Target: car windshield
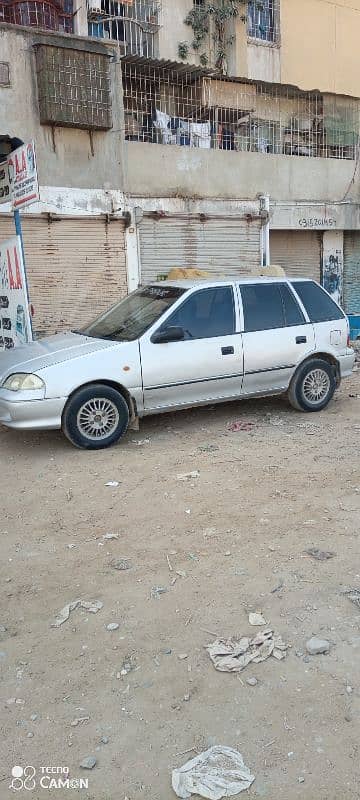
{"points": [[130, 318]]}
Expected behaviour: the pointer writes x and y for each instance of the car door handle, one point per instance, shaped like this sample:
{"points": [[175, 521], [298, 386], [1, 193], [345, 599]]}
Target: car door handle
{"points": [[227, 351], [301, 340]]}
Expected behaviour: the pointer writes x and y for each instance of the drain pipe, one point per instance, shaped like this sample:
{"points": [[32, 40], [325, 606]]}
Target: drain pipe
{"points": [[265, 230]]}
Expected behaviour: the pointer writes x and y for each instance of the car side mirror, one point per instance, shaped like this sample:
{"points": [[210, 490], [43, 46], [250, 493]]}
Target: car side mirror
{"points": [[165, 335]]}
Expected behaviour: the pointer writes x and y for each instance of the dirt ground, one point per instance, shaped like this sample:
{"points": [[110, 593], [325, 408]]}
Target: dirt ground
{"points": [[236, 534]]}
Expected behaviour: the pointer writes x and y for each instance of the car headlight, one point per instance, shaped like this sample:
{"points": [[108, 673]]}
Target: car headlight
{"points": [[23, 381]]}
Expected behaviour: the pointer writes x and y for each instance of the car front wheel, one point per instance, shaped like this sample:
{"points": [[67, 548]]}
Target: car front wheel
{"points": [[313, 386], [95, 417]]}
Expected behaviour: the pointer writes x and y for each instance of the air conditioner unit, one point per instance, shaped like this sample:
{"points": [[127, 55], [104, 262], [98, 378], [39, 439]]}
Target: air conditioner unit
{"points": [[94, 7]]}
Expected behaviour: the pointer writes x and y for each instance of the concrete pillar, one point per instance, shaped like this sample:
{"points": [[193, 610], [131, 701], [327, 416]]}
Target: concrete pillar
{"points": [[333, 263], [133, 251], [81, 18]]}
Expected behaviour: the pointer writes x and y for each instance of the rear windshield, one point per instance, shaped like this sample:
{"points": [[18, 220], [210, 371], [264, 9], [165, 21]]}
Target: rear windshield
{"points": [[130, 318], [319, 306]]}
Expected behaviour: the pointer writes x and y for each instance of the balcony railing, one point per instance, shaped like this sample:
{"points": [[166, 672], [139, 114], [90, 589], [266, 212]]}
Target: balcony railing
{"points": [[134, 24], [183, 105], [51, 15]]}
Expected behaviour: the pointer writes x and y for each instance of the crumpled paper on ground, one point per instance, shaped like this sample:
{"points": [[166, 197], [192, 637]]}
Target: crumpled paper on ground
{"points": [[218, 772], [233, 655], [89, 605]]}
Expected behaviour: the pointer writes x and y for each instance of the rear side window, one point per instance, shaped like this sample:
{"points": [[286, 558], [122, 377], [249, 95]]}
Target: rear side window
{"points": [[293, 313], [263, 307], [319, 306]]}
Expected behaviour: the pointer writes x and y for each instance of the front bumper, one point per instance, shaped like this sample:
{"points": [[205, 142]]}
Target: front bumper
{"points": [[31, 414], [346, 363]]}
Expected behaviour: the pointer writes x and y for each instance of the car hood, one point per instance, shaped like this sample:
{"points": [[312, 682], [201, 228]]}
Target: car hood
{"points": [[44, 353]]}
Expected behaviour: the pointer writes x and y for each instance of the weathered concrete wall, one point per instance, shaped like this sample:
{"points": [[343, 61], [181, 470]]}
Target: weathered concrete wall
{"points": [[160, 170], [320, 45], [173, 30], [64, 155]]}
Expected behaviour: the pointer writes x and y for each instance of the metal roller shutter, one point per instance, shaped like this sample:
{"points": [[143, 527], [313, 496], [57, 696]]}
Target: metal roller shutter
{"points": [[298, 252], [352, 272], [222, 247], [76, 268]]}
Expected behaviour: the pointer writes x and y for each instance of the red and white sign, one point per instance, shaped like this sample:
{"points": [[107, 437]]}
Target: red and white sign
{"points": [[15, 324], [5, 190], [24, 185]]}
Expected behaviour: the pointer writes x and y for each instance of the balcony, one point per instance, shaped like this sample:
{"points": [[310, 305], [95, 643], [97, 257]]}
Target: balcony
{"points": [[134, 24], [50, 15], [176, 104]]}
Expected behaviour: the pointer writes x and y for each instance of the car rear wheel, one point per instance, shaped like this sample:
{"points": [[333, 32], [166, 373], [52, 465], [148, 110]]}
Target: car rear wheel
{"points": [[95, 417], [313, 386]]}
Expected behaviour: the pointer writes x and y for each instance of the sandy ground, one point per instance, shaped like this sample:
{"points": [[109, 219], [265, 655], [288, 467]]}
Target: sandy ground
{"points": [[235, 533]]}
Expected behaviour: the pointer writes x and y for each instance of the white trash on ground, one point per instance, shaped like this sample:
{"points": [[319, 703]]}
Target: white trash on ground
{"points": [[88, 605], [233, 655], [256, 618], [218, 772]]}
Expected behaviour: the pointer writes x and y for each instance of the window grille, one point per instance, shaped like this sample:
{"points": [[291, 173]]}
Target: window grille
{"points": [[52, 15], [73, 88], [132, 23], [182, 105], [263, 20]]}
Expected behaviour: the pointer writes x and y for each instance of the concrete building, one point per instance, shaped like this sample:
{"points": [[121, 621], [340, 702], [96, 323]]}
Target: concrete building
{"points": [[190, 154]]}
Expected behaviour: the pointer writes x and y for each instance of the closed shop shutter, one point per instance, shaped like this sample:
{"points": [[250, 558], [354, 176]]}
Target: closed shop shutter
{"points": [[352, 272], [222, 247], [298, 252], [76, 268]]}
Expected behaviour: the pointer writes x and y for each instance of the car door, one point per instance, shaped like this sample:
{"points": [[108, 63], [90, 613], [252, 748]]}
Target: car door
{"points": [[207, 364], [277, 336]]}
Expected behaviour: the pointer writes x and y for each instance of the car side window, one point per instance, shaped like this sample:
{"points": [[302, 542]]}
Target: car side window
{"points": [[319, 306], [292, 310], [263, 307], [206, 313]]}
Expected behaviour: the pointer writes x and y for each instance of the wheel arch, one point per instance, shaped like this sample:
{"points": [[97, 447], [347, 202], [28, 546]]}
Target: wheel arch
{"points": [[329, 357], [130, 402]]}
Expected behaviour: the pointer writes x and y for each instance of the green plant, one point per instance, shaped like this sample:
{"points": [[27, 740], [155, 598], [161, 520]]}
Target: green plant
{"points": [[215, 14], [183, 50]]}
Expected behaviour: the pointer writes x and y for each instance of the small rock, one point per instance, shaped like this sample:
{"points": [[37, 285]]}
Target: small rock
{"points": [[257, 618], [30, 735], [301, 780], [252, 681], [112, 626], [349, 689], [317, 646], [182, 656], [166, 651], [104, 740], [186, 698], [88, 762], [33, 717], [121, 564], [228, 553], [2, 629], [348, 717]]}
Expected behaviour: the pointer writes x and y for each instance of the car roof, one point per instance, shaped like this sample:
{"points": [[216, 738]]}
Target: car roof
{"points": [[205, 283]]}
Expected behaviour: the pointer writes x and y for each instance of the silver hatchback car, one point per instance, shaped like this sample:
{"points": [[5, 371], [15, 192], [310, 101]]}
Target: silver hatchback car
{"points": [[176, 344]]}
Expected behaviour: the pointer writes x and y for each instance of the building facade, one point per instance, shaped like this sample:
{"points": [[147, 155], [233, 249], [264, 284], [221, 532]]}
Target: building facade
{"points": [[170, 137]]}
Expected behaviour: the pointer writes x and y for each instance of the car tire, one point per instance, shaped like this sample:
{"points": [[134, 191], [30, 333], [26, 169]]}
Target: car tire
{"points": [[95, 417], [313, 386]]}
